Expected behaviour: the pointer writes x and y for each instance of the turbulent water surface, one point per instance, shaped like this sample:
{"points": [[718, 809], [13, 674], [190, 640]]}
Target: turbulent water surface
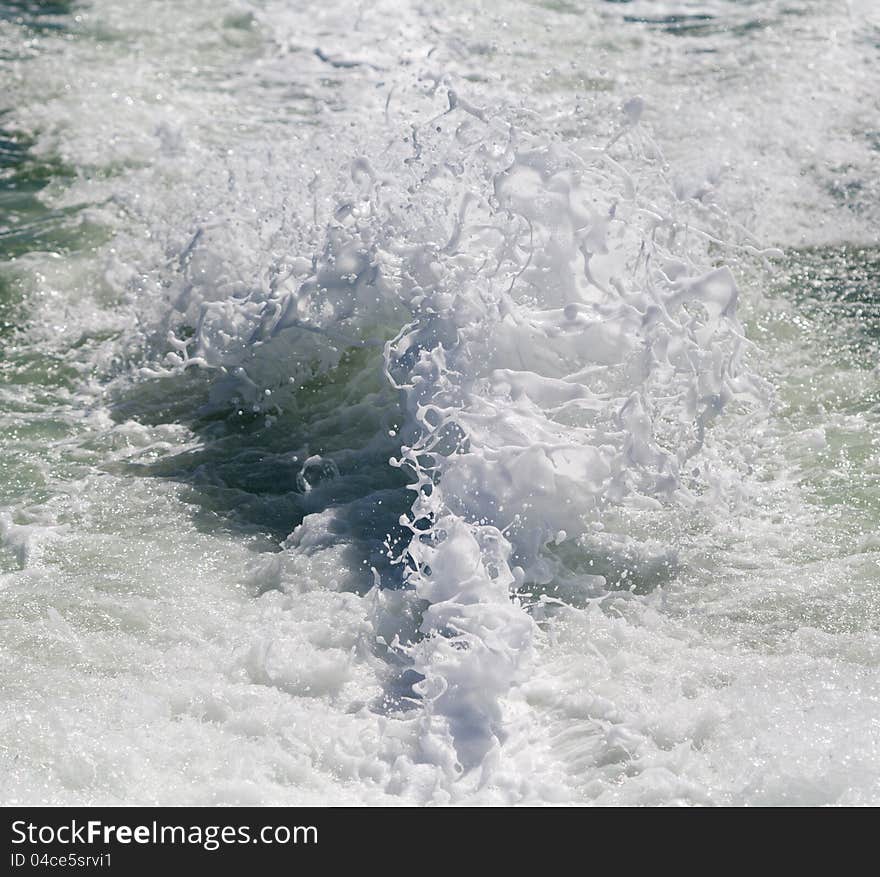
{"points": [[418, 402]]}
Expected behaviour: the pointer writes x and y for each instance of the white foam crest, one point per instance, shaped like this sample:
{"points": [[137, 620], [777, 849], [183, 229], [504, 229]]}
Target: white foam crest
{"points": [[550, 312]]}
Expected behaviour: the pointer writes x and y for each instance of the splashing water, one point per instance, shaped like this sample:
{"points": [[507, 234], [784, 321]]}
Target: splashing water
{"points": [[399, 407]]}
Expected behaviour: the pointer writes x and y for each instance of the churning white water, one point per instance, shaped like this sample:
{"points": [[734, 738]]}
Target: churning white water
{"points": [[416, 402]]}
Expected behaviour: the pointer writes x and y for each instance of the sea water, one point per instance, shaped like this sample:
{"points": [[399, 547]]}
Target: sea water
{"points": [[407, 402]]}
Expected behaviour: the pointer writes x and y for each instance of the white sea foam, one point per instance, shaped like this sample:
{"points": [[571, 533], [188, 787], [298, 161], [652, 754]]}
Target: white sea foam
{"points": [[467, 350]]}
